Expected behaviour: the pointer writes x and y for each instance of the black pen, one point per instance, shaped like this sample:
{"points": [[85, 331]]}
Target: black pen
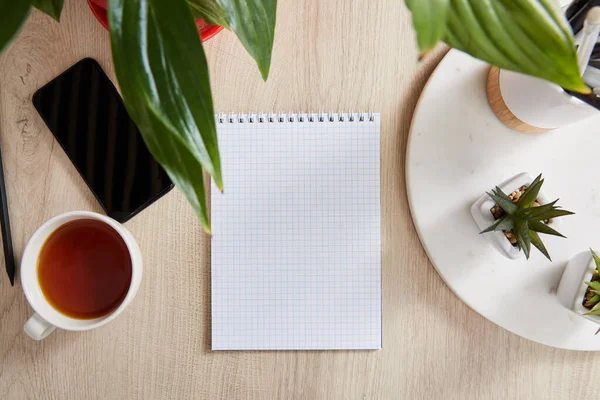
{"points": [[9, 256]]}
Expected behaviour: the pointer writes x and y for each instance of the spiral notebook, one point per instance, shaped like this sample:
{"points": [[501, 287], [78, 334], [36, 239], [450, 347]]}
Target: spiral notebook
{"points": [[296, 253]]}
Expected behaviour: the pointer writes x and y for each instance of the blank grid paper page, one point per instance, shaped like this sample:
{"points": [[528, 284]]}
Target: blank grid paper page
{"points": [[296, 253]]}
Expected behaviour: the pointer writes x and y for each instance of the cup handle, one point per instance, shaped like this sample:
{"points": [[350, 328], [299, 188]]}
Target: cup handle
{"points": [[38, 328]]}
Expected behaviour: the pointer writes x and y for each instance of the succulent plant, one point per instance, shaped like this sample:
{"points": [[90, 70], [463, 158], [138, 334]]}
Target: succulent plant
{"points": [[524, 218], [591, 299]]}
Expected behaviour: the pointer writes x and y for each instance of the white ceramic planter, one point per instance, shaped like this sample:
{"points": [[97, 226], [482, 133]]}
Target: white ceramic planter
{"points": [[572, 287], [540, 103], [480, 210]]}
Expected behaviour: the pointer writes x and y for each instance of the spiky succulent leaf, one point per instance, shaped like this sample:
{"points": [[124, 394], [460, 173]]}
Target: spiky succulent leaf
{"points": [[595, 310], [508, 224], [532, 212], [553, 213], [503, 224], [521, 231], [492, 227], [540, 227], [541, 213], [594, 299], [536, 180], [537, 242], [596, 260], [593, 285], [503, 201], [500, 193], [531, 193]]}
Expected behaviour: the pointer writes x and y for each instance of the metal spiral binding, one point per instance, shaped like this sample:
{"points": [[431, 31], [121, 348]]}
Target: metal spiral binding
{"points": [[267, 118]]}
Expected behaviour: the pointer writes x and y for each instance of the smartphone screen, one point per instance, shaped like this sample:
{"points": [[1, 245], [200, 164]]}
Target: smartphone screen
{"points": [[85, 113]]}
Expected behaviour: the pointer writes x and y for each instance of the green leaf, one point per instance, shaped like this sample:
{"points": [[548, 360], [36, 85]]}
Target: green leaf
{"points": [[540, 227], [503, 201], [498, 192], [51, 7], [429, 19], [531, 193], [595, 310], [492, 227], [554, 213], [596, 260], [208, 10], [537, 242], [593, 285], [594, 299], [503, 224], [163, 75], [547, 211], [14, 13], [527, 36], [253, 21], [532, 212], [523, 240]]}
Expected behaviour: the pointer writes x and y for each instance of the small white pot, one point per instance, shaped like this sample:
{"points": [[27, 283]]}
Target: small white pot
{"points": [[480, 210], [540, 103], [532, 105], [572, 287]]}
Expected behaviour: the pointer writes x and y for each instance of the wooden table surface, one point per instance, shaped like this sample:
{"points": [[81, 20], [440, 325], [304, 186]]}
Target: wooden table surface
{"points": [[334, 55]]}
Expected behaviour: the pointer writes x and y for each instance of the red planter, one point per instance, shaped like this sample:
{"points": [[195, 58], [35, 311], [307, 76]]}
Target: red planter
{"points": [[98, 8], [101, 3]]}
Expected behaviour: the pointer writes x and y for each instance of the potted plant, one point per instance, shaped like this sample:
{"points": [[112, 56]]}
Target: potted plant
{"points": [[529, 37], [163, 74], [579, 287], [514, 221]]}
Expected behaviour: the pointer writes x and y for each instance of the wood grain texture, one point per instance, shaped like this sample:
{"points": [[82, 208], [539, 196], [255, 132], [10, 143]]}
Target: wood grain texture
{"points": [[498, 105], [330, 55]]}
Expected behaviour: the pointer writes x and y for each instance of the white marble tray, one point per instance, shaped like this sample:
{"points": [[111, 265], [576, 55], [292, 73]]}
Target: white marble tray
{"points": [[456, 151]]}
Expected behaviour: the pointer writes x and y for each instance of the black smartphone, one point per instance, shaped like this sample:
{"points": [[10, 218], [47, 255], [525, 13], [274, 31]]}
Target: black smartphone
{"points": [[85, 113]]}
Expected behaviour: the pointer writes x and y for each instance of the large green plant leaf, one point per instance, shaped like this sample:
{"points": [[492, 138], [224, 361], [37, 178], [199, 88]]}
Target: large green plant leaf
{"points": [[51, 7], [208, 10], [429, 19], [527, 36], [253, 21], [14, 13], [163, 75]]}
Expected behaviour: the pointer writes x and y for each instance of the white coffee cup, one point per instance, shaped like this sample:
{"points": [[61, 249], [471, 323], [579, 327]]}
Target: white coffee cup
{"points": [[46, 318]]}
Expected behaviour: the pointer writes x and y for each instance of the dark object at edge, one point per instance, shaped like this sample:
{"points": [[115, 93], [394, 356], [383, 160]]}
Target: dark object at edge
{"points": [[9, 256], [576, 14]]}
